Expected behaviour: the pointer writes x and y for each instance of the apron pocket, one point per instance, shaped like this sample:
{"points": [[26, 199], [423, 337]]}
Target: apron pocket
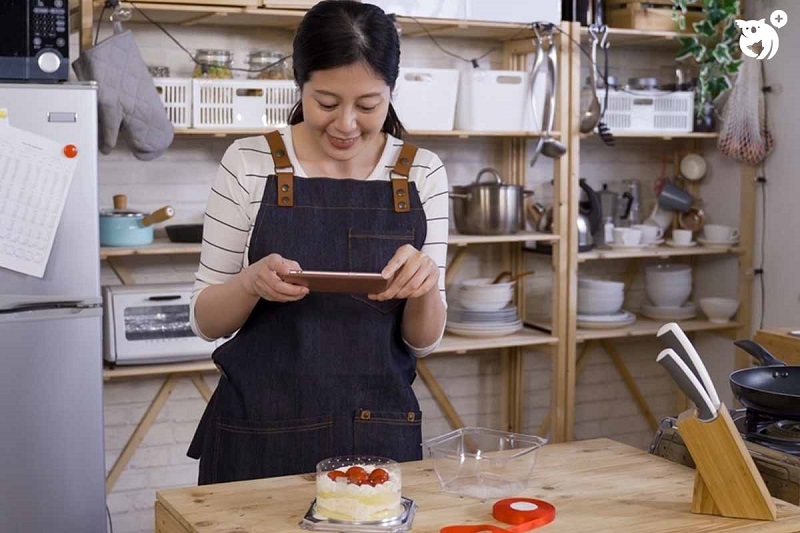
{"points": [[392, 434], [369, 251], [256, 449]]}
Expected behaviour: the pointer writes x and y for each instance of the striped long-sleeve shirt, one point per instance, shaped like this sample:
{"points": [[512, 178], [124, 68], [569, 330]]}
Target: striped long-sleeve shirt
{"points": [[236, 194]]}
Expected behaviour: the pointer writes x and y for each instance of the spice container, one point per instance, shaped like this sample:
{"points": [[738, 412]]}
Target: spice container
{"points": [[259, 60], [213, 64]]}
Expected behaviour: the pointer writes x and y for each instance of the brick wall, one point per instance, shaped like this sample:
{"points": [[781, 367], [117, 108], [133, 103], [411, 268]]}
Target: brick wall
{"points": [[473, 382]]}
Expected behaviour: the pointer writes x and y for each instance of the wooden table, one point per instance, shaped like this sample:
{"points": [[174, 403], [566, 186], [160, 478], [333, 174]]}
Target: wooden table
{"points": [[780, 344], [595, 485]]}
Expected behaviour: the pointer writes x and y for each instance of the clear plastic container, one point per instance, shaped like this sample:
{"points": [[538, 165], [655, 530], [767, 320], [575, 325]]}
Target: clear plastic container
{"points": [[484, 463], [213, 64], [259, 60]]}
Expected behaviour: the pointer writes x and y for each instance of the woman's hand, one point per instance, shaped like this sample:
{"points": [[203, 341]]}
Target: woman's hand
{"points": [[265, 279], [412, 274]]}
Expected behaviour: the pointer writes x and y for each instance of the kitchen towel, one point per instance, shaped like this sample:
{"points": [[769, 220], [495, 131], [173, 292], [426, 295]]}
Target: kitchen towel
{"points": [[126, 96]]}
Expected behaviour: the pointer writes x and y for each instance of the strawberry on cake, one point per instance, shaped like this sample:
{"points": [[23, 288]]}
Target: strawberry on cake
{"points": [[359, 491]]}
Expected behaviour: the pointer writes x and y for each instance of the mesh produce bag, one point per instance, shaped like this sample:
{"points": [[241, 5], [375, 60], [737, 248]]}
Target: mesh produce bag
{"points": [[744, 134]]}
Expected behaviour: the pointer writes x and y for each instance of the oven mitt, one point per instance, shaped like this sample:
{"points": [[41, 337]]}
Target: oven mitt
{"points": [[126, 96]]}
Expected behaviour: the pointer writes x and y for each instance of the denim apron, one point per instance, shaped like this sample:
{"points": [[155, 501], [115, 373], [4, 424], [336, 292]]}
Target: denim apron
{"points": [[328, 375]]}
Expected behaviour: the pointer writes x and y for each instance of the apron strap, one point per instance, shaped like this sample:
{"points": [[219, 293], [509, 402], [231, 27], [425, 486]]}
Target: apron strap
{"points": [[400, 172], [281, 160]]}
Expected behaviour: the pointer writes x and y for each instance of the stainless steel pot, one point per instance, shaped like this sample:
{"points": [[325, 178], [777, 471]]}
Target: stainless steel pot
{"points": [[491, 208]]}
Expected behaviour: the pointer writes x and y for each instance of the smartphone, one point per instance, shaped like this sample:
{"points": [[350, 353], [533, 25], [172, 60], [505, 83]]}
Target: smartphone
{"points": [[341, 282]]}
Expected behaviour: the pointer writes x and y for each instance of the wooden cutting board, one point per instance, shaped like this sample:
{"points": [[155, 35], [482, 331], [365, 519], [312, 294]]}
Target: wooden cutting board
{"points": [[596, 485]]}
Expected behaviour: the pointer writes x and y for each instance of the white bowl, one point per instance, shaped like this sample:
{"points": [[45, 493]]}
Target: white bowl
{"points": [[606, 285], [719, 310], [603, 304], [667, 297]]}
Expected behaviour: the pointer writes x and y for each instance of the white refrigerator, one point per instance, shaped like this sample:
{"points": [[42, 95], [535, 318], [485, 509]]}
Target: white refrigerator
{"points": [[51, 409]]}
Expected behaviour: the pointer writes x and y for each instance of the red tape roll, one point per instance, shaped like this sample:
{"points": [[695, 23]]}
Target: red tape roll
{"points": [[524, 514]]}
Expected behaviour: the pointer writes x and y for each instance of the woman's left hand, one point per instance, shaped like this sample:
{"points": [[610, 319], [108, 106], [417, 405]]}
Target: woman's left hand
{"points": [[412, 274]]}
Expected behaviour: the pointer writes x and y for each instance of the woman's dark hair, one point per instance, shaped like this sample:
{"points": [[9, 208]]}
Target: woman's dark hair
{"points": [[337, 33]]}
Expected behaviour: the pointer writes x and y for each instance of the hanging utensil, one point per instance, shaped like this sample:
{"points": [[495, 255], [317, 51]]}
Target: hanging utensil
{"points": [[120, 15], [546, 61], [591, 116], [688, 383], [673, 337]]}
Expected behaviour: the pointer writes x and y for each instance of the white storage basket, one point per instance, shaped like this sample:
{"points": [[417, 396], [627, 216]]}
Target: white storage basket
{"points": [[498, 100], [176, 95], [649, 112], [242, 104], [425, 98]]}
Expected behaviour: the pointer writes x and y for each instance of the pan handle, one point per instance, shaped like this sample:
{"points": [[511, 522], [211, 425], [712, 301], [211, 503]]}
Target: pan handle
{"points": [[759, 352]]}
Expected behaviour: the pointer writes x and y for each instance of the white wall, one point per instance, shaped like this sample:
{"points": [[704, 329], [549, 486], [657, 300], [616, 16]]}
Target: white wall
{"points": [[473, 382]]}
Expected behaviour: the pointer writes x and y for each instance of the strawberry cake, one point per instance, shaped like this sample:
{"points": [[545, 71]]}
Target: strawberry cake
{"points": [[358, 489]]}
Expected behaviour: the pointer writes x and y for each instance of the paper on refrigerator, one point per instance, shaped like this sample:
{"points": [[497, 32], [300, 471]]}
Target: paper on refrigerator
{"points": [[35, 176]]}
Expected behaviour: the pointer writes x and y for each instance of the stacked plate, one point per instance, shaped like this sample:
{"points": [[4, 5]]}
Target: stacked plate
{"points": [[471, 323]]}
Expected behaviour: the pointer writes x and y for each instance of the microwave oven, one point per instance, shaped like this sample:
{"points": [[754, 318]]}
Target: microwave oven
{"points": [[150, 324], [34, 40]]}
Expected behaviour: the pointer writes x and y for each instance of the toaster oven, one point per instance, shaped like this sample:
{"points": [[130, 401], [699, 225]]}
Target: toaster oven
{"points": [[150, 324]]}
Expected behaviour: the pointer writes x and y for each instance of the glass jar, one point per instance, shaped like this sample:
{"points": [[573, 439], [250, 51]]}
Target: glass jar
{"points": [[259, 60], [213, 64]]}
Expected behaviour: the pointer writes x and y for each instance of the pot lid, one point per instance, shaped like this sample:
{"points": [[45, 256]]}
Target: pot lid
{"points": [[121, 213]]}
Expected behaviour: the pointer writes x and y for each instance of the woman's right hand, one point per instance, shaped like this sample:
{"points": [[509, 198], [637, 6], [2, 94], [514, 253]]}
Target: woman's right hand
{"points": [[264, 278]]}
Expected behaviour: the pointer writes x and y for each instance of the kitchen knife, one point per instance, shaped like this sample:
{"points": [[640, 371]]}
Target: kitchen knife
{"points": [[673, 336], [688, 383]]}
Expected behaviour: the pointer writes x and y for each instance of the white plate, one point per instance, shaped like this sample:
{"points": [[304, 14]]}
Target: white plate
{"points": [[717, 244], [617, 320], [621, 316], [483, 325], [689, 310], [483, 332], [616, 246], [674, 244], [653, 244]]}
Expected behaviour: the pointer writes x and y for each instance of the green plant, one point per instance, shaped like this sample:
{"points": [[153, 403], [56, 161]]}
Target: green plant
{"points": [[714, 47]]}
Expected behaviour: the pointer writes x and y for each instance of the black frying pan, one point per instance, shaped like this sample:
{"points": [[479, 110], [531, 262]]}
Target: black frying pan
{"points": [[772, 389]]}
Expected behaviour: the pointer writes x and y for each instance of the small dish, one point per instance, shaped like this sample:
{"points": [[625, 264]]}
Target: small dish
{"points": [[616, 320], [685, 312], [632, 247], [674, 244], [717, 244]]}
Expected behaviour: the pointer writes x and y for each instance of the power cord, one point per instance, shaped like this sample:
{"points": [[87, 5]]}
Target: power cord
{"points": [[762, 180], [110, 523]]}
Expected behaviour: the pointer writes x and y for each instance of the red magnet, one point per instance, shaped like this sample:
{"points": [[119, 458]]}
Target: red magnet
{"points": [[523, 514], [70, 150]]}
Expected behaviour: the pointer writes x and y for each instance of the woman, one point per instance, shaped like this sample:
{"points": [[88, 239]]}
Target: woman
{"points": [[309, 376]]}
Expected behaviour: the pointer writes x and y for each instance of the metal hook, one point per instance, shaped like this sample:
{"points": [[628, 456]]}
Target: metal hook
{"points": [[120, 15], [603, 30]]}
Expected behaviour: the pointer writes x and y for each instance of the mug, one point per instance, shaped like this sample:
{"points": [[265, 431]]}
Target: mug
{"points": [[660, 217], [720, 233], [682, 236], [650, 233], [627, 236], [674, 198]]}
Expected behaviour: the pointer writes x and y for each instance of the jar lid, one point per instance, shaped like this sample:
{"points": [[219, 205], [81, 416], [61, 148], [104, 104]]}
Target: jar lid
{"points": [[205, 55], [265, 54]]}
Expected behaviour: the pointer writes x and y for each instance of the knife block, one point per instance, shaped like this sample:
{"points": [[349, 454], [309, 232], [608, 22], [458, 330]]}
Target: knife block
{"points": [[727, 482]]}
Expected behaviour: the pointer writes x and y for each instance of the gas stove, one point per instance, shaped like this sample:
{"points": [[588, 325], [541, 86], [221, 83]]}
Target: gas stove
{"points": [[779, 435], [773, 444]]}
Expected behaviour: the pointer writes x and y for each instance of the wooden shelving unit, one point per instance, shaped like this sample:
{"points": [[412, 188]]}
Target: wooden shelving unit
{"points": [[643, 327], [162, 246], [659, 252], [459, 134]]}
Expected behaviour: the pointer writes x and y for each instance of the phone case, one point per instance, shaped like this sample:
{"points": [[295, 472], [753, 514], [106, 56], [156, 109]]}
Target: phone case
{"points": [[338, 282]]}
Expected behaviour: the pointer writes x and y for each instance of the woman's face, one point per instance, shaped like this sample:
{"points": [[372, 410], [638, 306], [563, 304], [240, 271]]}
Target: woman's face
{"points": [[344, 109]]}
